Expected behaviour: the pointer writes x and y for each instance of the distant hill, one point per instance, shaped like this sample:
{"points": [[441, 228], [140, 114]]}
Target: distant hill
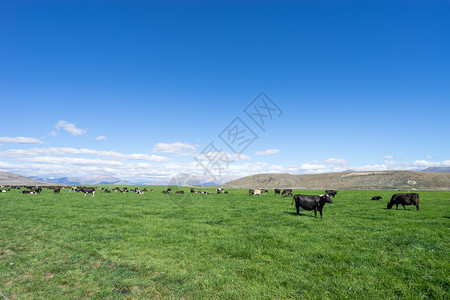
{"points": [[437, 169], [374, 180], [14, 179], [88, 180]]}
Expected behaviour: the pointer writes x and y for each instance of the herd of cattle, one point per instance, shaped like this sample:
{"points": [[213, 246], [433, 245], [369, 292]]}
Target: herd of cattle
{"points": [[306, 202]]}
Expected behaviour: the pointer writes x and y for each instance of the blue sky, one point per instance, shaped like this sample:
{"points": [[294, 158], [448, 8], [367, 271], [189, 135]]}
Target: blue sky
{"points": [[362, 85]]}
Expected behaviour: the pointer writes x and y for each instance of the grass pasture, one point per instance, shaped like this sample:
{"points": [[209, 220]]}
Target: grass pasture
{"points": [[124, 246]]}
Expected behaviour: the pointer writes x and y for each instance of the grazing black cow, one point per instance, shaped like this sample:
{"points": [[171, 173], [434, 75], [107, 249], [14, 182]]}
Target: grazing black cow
{"points": [[308, 202], [144, 190], [166, 191], [331, 193], [404, 199], [88, 190], [192, 190], [107, 191], [287, 192], [27, 192], [277, 191], [377, 198], [38, 190], [56, 189], [179, 192]]}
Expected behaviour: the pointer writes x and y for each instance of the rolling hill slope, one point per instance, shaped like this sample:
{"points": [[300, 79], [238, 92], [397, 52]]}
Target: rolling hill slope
{"points": [[373, 180], [14, 179]]}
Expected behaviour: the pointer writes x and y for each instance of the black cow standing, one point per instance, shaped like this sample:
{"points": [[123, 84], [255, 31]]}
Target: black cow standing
{"points": [[277, 191], [377, 198], [331, 193], [308, 202], [404, 199]]}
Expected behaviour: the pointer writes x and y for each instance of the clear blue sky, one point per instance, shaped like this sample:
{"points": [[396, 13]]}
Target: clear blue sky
{"points": [[363, 85]]}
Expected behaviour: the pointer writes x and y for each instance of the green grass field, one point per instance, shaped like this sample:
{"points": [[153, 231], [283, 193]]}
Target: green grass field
{"points": [[65, 246]]}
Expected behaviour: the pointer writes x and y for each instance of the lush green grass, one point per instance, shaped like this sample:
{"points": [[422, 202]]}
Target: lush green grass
{"points": [[221, 246]]}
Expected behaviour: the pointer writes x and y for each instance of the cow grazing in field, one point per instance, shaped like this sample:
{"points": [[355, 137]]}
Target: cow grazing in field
{"points": [[38, 190], [377, 198], [27, 192], [56, 189], [3, 191], [107, 191], [219, 190], [88, 190], [404, 199], [308, 202], [192, 190], [277, 191], [251, 192], [179, 192], [287, 192], [331, 193], [144, 190], [166, 191]]}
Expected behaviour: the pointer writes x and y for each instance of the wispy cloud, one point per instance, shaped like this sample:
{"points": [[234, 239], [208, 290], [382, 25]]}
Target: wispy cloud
{"points": [[222, 156], [70, 128], [336, 161], [101, 138], [388, 157], [52, 133], [20, 140], [34, 152], [177, 148], [267, 152]]}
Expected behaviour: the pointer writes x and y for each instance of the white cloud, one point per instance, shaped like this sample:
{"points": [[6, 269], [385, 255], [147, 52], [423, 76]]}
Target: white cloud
{"points": [[70, 128], [426, 163], [336, 161], [388, 157], [34, 152], [177, 148], [101, 138], [52, 133], [267, 152], [20, 140], [70, 161], [429, 157], [222, 156]]}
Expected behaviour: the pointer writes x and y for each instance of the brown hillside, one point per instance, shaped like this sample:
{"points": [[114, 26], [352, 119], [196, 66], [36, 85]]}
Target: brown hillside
{"points": [[370, 180]]}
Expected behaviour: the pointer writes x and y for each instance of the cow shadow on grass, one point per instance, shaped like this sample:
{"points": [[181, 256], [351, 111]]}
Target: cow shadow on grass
{"points": [[300, 215]]}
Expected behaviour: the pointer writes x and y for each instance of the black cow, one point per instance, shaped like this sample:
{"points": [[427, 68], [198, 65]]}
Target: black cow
{"points": [[38, 190], [56, 189], [404, 199], [27, 192], [331, 193], [377, 198], [287, 192], [308, 202], [88, 190], [179, 192], [277, 191], [107, 191]]}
